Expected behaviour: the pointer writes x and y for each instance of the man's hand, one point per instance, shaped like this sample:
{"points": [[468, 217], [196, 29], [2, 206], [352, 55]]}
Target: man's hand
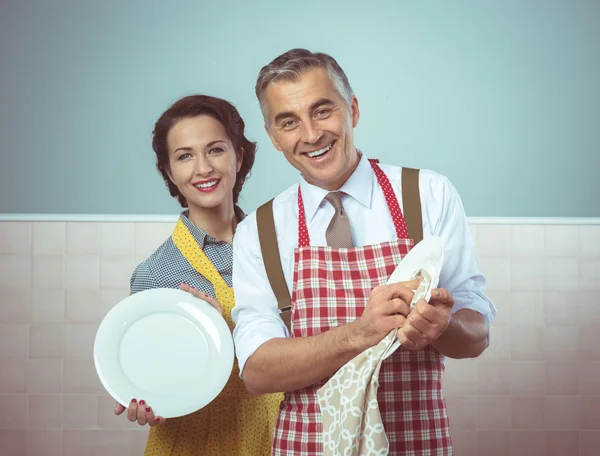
{"points": [[386, 310], [427, 320]]}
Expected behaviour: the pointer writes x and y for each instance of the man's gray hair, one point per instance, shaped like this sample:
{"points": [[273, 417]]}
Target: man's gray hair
{"points": [[292, 64]]}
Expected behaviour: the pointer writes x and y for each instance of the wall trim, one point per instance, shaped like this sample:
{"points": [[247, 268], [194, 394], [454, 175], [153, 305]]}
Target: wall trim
{"points": [[173, 219]]}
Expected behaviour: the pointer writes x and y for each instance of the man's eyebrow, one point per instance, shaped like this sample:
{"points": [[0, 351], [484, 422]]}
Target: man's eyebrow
{"points": [[284, 115], [320, 102]]}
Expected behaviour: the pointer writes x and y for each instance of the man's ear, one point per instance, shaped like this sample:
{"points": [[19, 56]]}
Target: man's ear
{"points": [[355, 112]]}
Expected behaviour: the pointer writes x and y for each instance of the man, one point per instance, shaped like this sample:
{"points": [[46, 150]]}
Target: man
{"points": [[339, 235]]}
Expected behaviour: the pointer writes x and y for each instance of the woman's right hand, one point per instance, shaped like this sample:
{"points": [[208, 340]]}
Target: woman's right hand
{"points": [[140, 412], [198, 294]]}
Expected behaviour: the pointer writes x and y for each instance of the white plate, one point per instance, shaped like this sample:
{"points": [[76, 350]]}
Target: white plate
{"points": [[164, 346], [427, 255]]}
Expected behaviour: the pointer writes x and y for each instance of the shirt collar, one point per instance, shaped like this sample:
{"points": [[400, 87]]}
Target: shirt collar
{"points": [[200, 236], [359, 186]]}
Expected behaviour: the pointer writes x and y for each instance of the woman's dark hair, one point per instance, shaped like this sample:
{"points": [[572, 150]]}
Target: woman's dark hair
{"points": [[197, 105]]}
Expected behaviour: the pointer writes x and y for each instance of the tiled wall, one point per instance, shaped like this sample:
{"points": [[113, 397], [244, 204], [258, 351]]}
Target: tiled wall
{"points": [[536, 390]]}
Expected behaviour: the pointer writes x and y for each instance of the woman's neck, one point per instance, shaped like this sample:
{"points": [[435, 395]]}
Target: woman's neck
{"points": [[220, 222]]}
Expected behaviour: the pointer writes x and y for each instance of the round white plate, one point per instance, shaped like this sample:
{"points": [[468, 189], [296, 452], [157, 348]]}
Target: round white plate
{"points": [[427, 255], [164, 346]]}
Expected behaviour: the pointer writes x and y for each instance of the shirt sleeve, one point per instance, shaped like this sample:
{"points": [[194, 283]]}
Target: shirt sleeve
{"points": [[142, 279], [461, 273], [256, 312]]}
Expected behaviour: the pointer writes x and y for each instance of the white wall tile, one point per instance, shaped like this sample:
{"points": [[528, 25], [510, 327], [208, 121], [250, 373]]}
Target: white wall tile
{"points": [[48, 272], [502, 302], [44, 376], [140, 439], [561, 412], [494, 241], [80, 412], [83, 272], [527, 378], [46, 340], [83, 238], [46, 442], [47, 306], [97, 443], [561, 274], [460, 377], [500, 345], [589, 241], [526, 343], [586, 309], [589, 373], [14, 341], [589, 279], [13, 442], [501, 419], [45, 411], [562, 377], [15, 238], [79, 341], [562, 241], [589, 348], [527, 308], [49, 238], [560, 343], [527, 274], [15, 410], [13, 376], [15, 305], [80, 377], [15, 271], [493, 378], [116, 238], [561, 308], [463, 410], [115, 271], [83, 306], [527, 241], [497, 273]]}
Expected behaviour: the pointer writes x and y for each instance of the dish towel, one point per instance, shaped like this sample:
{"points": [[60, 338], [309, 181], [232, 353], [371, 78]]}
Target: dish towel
{"points": [[352, 424]]}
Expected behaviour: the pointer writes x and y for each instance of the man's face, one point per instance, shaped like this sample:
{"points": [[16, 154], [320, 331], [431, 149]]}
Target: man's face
{"points": [[314, 128]]}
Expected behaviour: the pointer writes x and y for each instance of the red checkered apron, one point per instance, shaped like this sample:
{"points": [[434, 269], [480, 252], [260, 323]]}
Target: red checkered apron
{"points": [[331, 288]]}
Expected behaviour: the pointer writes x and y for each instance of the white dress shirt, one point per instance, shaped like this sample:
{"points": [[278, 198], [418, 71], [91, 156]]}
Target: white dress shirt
{"points": [[256, 312]]}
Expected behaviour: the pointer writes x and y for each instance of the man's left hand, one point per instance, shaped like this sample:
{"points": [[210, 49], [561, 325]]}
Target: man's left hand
{"points": [[427, 320]]}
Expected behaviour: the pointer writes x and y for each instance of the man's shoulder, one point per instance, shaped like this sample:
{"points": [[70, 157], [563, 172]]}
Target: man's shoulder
{"points": [[282, 202], [431, 183]]}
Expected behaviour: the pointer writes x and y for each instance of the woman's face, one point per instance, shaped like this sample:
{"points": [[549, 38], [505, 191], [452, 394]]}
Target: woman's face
{"points": [[203, 163]]}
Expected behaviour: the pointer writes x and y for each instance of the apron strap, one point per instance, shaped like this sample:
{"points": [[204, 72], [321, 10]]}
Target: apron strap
{"points": [[270, 252], [267, 236], [411, 200]]}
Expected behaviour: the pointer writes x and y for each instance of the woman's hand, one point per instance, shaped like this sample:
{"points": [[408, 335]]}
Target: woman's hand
{"points": [[197, 293], [140, 412]]}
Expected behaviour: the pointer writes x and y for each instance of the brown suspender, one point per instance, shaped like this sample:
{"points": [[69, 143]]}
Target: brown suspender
{"points": [[270, 248], [411, 202], [270, 252]]}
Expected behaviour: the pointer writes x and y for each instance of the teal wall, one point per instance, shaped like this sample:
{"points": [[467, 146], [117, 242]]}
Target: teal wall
{"points": [[502, 97]]}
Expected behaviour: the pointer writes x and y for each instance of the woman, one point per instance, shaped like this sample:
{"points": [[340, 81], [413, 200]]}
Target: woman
{"points": [[204, 158]]}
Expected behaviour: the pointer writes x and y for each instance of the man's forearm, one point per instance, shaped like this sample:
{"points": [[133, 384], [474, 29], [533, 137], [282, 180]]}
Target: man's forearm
{"points": [[465, 337], [294, 363]]}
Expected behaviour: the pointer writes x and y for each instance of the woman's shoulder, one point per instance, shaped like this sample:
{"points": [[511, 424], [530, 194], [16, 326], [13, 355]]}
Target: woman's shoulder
{"points": [[150, 273]]}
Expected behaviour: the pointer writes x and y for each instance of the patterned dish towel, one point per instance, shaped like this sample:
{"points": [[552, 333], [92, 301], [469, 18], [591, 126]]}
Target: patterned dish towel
{"points": [[352, 424]]}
